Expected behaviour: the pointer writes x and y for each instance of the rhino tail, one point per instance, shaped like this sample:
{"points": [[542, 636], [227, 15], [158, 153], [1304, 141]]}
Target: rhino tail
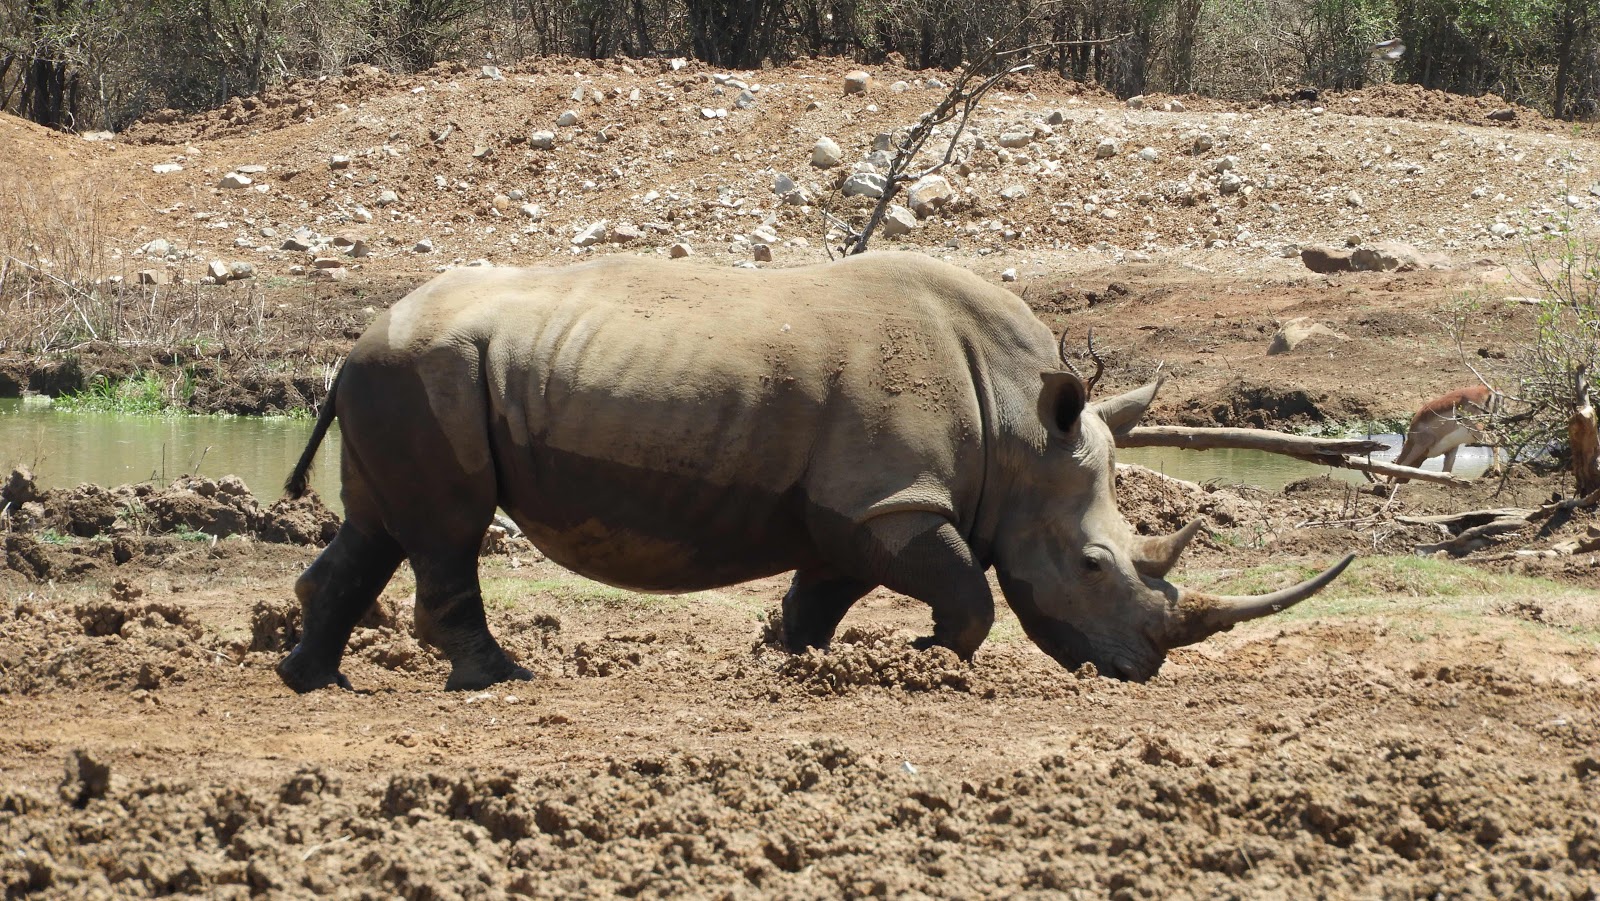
{"points": [[300, 479]]}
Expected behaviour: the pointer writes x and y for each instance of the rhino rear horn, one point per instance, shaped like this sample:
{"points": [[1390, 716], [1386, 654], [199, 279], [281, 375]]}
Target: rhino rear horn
{"points": [[1201, 615], [1155, 555], [1123, 412]]}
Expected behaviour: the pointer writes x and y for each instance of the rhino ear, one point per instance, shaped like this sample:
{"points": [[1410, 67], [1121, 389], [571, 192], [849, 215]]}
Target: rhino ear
{"points": [[1123, 412], [1061, 401]]}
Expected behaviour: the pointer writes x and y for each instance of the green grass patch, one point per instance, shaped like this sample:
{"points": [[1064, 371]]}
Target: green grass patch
{"points": [[147, 393], [1423, 592]]}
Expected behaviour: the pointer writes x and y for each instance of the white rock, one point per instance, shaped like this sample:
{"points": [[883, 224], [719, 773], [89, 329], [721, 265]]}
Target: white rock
{"points": [[542, 140], [1354, 198], [218, 270], [928, 194], [423, 246], [492, 73], [898, 221], [624, 234], [567, 119], [1010, 275], [1136, 102], [856, 82], [1106, 149], [1229, 183], [591, 236], [782, 184], [825, 154], [1016, 138], [235, 180], [680, 250], [865, 184], [1149, 154], [1014, 192], [338, 161], [160, 247], [900, 87], [165, 168], [1502, 230], [532, 211], [763, 234], [385, 198]]}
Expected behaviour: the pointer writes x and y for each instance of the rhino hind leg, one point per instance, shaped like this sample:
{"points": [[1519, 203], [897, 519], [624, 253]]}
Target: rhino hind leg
{"points": [[335, 592], [817, 600], [450, 617]]}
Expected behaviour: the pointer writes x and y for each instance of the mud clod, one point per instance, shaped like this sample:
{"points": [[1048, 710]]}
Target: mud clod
{"points": [[861, 658], [86, 780]]}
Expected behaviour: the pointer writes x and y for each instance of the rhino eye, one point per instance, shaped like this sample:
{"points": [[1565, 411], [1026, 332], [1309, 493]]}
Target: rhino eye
{"points": [[1091, 564]]}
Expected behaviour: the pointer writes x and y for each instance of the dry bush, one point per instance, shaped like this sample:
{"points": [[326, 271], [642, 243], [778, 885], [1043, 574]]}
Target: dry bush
{"points": [[60, 288]]}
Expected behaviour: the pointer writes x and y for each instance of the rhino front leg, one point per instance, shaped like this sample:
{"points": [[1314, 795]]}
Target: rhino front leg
{"points": [[817, 600], [924, 557]]}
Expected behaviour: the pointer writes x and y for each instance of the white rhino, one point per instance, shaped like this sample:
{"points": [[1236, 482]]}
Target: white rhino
{"points": [[666, 426]]}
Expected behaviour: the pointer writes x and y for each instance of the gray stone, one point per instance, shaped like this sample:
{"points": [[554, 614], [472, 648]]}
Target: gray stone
{"points": [[542, 140], [160, 247], [218, 270], [1149, 154], [338, 161], [423, 246], [386, 198], [782, 184], [1016, 138], [1106, 149], [532, 211], [154, 277], [234, 180], [332, 274], [594, 234], [1136, 102], [1502, 230], [1013, 192], [865, 184], [241, 269], [1229, 183], [856, 82], [624, 234], [1354, 199], [898, 221], [567, 119], [1056, 117], [761, 253], [825, 154]]}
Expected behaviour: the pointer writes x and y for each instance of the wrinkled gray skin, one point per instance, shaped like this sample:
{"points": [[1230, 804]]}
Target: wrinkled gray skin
{"points": [[884, 420]]}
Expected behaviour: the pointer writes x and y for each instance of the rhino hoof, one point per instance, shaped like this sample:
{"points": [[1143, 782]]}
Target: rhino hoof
{"points": [[302, 678], [465, 679]]}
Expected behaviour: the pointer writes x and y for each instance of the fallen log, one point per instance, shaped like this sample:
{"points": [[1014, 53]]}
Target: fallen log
{"points": [[1337, 452], [1245, 439]]}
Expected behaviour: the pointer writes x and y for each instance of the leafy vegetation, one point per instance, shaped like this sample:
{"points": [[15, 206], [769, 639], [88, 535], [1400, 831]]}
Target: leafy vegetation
{"points": [[147, 393]]}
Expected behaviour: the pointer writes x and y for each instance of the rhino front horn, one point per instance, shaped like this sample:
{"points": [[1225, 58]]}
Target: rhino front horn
{"points": [[1201, 615]]}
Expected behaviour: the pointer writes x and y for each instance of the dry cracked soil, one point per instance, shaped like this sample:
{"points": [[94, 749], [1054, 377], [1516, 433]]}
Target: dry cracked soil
{"points": [[1426, 728]]}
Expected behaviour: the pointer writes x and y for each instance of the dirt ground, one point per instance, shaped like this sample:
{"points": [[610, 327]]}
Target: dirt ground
{"points": [[1425, 728]]}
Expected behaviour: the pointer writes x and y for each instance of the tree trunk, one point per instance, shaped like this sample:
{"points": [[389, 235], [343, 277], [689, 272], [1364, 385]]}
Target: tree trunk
{"points": [[1583, 438]]}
